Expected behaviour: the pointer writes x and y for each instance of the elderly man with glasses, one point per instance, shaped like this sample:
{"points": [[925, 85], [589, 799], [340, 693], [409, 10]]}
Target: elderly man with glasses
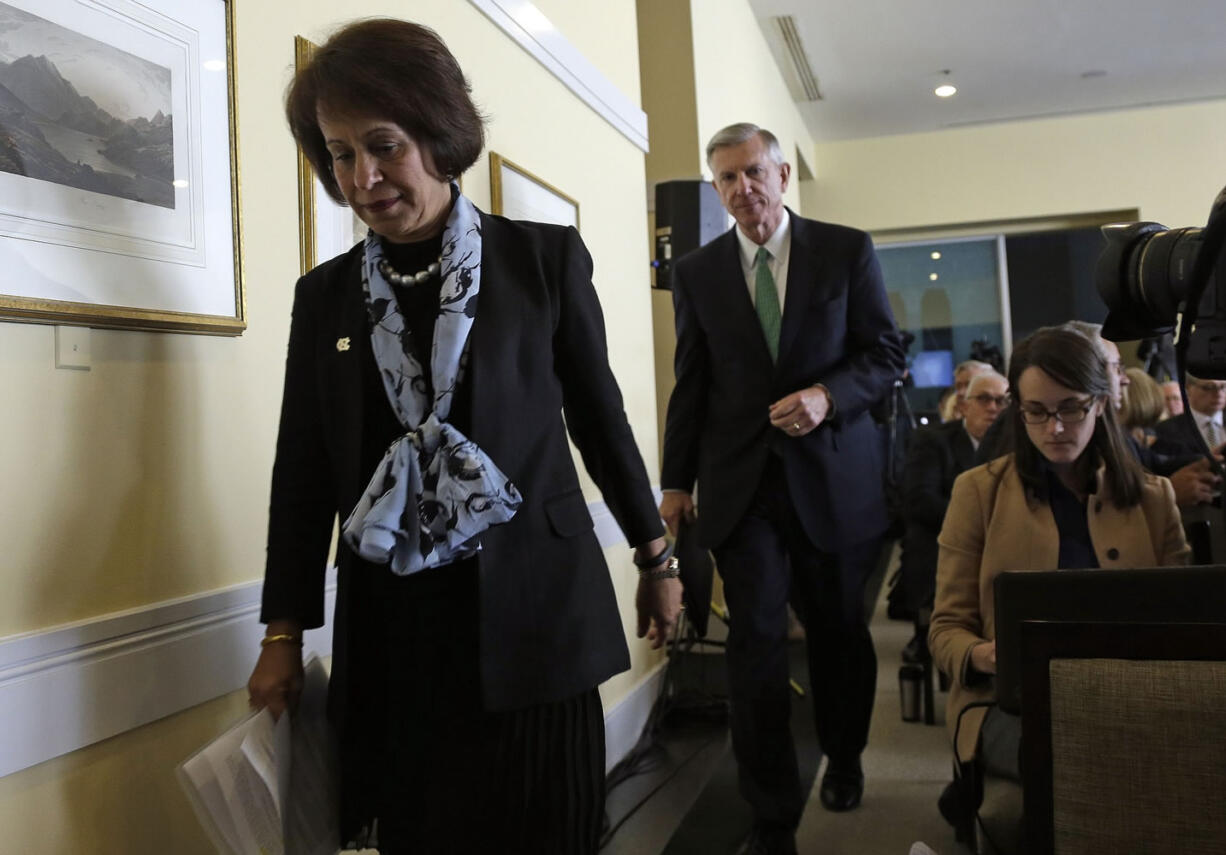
{"points": [[937, 456], [1182, 434]]}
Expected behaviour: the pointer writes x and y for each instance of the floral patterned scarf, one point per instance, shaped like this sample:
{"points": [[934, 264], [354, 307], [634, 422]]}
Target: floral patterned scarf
{"points": [[435, 490]]}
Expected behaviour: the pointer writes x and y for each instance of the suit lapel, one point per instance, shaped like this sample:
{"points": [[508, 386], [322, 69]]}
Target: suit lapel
{"points": [[964, 450], [805, 271]]}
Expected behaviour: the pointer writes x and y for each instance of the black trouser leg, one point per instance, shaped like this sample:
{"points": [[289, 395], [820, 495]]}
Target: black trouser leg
{"points": [[765, 562], [754, 567], [842, 661]]}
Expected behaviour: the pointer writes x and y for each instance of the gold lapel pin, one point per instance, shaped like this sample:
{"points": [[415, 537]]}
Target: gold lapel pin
{"points": [[342, 344]]}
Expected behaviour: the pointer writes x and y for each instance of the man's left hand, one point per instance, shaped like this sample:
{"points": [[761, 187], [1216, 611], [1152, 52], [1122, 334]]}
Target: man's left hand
{"points": [[801, 412]]}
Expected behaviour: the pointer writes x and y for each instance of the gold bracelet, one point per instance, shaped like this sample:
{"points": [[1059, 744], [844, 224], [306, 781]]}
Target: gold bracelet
{"points": [[282, 636]]}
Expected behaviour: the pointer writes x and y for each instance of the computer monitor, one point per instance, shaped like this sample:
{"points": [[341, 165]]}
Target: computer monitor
{"points": [[1149, 595], [933, 368]]}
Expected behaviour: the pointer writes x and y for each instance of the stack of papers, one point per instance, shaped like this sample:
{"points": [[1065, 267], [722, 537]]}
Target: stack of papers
{"points": [[270, 788]]}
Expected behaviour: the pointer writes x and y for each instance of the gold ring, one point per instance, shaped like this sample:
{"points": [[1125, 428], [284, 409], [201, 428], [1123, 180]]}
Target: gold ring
{"points": [[795, 425]]}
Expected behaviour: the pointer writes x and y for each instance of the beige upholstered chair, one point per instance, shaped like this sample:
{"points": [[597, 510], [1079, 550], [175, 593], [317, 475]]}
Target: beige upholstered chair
{"points": [[1124, 738]]}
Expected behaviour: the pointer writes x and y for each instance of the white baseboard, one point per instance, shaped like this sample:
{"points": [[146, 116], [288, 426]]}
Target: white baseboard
{"points": [[70, 686], [623, 725]]}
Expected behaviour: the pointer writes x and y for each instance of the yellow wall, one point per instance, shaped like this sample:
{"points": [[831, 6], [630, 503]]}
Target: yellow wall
{"points": [[737, 80], [146, 478], [666, 59], [1168, 162]]}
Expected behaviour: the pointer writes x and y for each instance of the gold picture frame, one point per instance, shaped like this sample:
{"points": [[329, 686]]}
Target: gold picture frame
{"points": [[124, 212], [326, 228], [518, 194]]}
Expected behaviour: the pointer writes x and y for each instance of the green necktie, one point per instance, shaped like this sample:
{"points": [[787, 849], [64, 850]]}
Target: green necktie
{"points": [[766, 301]]}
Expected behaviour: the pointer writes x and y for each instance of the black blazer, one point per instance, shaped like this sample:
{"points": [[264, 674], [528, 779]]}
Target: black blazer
{"points": [[549, 625], [837, 330], [1178, 436], [937, 455]]}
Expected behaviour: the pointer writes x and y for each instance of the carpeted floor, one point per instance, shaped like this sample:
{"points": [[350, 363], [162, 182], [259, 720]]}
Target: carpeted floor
{"points": [[687, 803], [906, 765]]}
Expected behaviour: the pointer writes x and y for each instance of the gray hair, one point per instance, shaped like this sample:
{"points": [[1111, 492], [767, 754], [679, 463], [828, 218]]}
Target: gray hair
{"points": [[743, 132], [974, 366], [981, 378], [1094, 332]]}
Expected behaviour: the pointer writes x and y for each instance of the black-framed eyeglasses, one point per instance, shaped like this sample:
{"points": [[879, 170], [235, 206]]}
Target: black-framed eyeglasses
{"points": [[1066, 414], [985, 399]]}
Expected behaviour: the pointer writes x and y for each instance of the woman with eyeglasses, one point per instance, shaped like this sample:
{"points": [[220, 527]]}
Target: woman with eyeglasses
{"points": [[1069, 494]]}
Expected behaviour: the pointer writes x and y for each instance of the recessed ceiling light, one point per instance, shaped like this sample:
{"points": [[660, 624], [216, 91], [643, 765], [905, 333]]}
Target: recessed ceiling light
{"points": [[945, 90], [933, 277], [936, 256]]}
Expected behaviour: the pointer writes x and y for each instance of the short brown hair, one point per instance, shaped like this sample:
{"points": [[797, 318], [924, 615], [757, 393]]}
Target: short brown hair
{"points": [[394, 70]]}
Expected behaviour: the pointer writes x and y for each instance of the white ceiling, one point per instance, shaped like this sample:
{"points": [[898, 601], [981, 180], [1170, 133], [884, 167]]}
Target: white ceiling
{"points": [[877, 61]]}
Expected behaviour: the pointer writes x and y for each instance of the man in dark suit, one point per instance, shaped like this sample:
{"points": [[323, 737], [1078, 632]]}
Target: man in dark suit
{"points": [[784, 341], [1179, 434], [939, 454]]}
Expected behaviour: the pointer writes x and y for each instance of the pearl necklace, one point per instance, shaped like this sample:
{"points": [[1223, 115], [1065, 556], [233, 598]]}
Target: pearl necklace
{"points": [[390, 274]]}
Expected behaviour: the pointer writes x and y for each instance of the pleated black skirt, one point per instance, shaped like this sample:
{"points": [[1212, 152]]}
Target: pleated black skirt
{"points": [[427, 770]]}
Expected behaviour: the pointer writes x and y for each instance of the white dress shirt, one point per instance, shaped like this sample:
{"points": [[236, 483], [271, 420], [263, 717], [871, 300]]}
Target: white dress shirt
{"points": [[779, 245], [1214, 436]]}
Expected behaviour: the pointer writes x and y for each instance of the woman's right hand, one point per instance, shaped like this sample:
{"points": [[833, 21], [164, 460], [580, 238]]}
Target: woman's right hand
{"points": [[983, 657], [276, 681]]}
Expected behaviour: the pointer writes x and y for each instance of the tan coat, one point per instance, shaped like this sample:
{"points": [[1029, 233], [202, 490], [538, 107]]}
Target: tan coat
{"points": [[990, 528]]}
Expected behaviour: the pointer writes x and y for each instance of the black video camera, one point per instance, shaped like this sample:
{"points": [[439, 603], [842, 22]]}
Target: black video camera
{"points": [[1149, 274]]}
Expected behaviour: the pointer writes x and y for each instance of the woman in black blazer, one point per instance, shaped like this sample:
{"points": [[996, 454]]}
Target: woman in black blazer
{"points": [[427, 375]]}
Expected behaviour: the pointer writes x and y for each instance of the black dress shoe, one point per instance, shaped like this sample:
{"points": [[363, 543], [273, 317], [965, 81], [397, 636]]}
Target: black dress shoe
{"points": [[768, 841], [842, 786]]}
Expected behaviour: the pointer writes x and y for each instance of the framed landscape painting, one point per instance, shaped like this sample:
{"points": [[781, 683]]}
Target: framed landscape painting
{"points": [[118, 165]]}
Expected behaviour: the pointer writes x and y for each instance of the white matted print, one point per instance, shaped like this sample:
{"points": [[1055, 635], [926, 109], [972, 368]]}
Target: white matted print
{"points": [[118, 164], [326, 228], [519, 195]]}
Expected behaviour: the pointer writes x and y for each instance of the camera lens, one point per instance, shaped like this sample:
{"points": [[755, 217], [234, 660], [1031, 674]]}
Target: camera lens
{"points": [[1143, 275]]}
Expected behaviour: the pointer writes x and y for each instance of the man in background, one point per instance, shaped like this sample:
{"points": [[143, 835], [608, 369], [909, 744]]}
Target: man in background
{"points": [[939, 454], [951, 409], [1173, 398], [784, 341], [1178, 435]]}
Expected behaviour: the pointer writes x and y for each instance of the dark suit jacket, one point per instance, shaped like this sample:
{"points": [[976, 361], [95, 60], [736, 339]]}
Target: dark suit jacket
{"points": [[836, 330], [1178, 436], [549, 625], [938, 455]]}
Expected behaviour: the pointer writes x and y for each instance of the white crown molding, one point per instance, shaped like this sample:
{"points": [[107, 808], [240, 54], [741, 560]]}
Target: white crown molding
{"points": [[70, 686], [529, 27]]}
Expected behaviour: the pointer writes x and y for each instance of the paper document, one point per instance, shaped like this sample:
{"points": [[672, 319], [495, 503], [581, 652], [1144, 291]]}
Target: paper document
{"points": [[270, 788]]}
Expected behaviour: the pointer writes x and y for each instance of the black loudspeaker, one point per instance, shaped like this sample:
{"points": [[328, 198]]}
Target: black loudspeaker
{"points": [[688, 215]]}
